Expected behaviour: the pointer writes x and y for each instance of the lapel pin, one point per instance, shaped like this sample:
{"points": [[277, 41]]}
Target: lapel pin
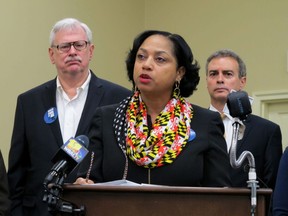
{"points": [[51, 115]]}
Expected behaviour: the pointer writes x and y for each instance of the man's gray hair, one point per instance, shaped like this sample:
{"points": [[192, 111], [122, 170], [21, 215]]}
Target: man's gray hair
{"points": [[69, 23], [228, 53]]}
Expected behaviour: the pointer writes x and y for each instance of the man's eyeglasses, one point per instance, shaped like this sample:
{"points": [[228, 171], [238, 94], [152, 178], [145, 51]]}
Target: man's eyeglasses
{"points": [[65, 47]]}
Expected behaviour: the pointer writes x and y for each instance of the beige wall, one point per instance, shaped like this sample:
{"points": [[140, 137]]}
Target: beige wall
{"points": [[25, 27], [257, 30]]}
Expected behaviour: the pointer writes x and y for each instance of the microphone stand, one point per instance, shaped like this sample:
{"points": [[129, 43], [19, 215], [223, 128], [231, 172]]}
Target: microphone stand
{"points": [[56, 205], [236, 163]]}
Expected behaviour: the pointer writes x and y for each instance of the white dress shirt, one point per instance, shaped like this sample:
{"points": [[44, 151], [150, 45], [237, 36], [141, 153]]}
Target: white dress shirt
{"points": [[228, 125], [70, 110]]}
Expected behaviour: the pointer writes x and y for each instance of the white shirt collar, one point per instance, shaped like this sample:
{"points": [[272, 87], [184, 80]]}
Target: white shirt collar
{"points": [[225, 110], [83, 87]]}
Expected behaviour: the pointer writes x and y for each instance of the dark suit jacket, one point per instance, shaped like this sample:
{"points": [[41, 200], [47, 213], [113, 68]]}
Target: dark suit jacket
{"points": [[203, 161], [263, 139], [35, 142], [280, 197], [4, 191]]}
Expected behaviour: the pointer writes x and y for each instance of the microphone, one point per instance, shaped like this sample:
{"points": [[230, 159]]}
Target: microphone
{"points": [[239, 107], [239, 104], [68, 157]]}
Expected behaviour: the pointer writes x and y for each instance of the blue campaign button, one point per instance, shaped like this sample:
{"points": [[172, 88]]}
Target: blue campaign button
{"points": [[51, 115], [192, 135]]}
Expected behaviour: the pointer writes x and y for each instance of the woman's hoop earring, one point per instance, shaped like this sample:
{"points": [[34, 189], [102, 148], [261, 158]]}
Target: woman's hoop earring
{"points": [[177, 88]]}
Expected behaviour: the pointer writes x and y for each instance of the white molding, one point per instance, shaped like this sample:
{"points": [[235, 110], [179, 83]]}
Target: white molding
{"points": [[264, 98]]}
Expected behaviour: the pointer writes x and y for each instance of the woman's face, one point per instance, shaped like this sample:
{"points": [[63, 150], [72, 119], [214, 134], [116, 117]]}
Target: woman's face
{"points": [[155, 68]]}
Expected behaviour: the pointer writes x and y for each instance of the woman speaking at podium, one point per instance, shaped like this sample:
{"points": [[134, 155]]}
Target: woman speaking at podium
{"points": [[156, 136]]}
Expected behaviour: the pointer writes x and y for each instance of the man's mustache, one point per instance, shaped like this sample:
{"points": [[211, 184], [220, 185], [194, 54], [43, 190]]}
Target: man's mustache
{"points": [[74, 58]]}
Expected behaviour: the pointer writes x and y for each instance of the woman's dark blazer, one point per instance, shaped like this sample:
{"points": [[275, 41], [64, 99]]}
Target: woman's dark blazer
{"points": [[203, 162]]}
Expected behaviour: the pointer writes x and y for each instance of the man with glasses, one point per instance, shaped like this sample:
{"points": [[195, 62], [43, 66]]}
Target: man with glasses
{"points": [[50, 114]]}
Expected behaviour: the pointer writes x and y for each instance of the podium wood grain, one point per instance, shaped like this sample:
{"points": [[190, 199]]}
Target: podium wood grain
{"points": [[101, 200]]}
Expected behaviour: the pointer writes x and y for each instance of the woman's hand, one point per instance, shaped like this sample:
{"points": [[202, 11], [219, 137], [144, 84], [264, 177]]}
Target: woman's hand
{"points": [[83, 181]]}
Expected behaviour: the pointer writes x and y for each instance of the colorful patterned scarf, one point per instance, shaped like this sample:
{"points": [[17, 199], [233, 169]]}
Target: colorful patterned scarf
{"points": [[167, 138]]}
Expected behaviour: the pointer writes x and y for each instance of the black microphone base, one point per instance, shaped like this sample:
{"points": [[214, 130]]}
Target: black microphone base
{"points": [[67, 209], [58, 206]]}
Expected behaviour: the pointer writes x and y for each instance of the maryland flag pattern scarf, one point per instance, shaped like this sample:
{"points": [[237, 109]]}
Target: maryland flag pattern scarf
{"points": [[167, 138]]}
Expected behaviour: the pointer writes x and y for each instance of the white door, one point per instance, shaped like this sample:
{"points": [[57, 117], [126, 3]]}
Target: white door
{"points": [[273, 106], [278, 113]]}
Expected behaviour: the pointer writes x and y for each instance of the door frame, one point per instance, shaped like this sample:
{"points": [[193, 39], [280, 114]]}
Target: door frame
{"points": [[261, 103], [263, 99]]}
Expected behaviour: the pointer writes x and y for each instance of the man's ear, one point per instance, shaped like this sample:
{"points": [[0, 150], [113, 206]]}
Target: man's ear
{"points": [[51, 55], [242, 83]]}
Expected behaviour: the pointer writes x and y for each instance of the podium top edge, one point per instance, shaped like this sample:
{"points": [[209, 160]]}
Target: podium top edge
{"points": [[164, 189]]}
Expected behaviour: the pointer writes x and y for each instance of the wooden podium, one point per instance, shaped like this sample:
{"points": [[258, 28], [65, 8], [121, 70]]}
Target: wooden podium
{"points": [[101, 200]]}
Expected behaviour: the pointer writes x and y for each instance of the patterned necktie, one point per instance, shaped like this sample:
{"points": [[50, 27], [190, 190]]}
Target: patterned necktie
{"points": [[223, 116]]}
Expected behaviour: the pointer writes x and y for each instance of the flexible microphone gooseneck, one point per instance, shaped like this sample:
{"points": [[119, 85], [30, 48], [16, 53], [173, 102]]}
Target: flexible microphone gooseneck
{"points": [[239, 107]]}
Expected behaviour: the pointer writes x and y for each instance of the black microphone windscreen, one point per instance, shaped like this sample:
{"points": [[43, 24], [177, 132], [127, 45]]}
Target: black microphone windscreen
{"points": [[84, 140], [239, 104]]}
